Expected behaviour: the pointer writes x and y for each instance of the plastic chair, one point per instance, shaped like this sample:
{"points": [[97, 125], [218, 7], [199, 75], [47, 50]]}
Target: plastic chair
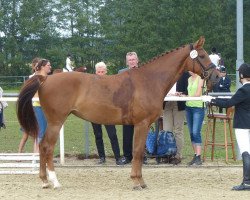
{"points": [[227, 119]]}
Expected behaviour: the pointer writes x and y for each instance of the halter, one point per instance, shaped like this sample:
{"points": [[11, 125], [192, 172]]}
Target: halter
{"points": [[205, 70]]}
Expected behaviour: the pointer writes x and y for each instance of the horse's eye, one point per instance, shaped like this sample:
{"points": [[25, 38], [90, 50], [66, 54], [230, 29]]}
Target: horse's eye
{"points": [[202, 56]]}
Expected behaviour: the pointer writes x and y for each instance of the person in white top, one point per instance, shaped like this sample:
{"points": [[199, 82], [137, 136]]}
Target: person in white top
{"points": [[69, 65], [3, 105], [214, 57], [174, 116]]}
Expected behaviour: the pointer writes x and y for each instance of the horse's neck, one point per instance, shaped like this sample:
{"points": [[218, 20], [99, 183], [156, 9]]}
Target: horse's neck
{"points": [[167, 69]]}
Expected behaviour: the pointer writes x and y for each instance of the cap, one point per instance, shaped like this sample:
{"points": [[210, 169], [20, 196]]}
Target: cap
{"points": [[222, 69]]}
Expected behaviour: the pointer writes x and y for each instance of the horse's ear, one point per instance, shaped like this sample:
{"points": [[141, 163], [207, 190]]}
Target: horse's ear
{"points": [[200, 42]]}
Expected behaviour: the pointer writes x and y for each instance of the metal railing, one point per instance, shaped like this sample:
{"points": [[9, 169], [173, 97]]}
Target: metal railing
{"points": [[12, 81]]}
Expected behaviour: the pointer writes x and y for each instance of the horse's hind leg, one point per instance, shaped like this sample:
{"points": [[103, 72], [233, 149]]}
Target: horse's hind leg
{"points": [[138, 153], [46, 156], [43, 161]]}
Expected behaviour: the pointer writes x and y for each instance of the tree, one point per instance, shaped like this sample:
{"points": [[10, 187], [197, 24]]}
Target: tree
{"points": [[151, 27], [104, 30]]}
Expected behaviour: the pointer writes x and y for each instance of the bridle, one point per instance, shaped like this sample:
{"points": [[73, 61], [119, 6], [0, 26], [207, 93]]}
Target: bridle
{"points": [[205, 70]]}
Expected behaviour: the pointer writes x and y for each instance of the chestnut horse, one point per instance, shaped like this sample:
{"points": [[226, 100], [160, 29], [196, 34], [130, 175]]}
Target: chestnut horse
{"points": [[133, 97], [78, 69]]}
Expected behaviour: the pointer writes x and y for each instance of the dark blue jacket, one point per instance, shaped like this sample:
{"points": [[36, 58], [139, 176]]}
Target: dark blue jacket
{"points": [[223, 85], [181, 86], [241, 101]]}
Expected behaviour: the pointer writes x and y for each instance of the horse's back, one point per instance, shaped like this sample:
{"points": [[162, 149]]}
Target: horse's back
{"points": [[85, 95]]}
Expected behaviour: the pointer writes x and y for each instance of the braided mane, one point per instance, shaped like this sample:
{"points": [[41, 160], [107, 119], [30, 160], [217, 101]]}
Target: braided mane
{"points": [[163, 54]]}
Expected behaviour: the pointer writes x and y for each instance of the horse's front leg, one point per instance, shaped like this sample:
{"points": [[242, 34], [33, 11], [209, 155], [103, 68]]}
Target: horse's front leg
{"points": [[46, 156], [140, 135]]}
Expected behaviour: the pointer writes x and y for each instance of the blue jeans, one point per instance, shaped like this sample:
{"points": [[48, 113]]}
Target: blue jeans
{"points": [[42, 122], [195, 117]]}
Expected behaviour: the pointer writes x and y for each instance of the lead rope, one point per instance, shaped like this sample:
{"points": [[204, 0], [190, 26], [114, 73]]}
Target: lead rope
{"points": [[203, 92]]}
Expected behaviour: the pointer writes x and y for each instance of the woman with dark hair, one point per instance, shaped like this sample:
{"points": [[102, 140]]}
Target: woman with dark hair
{"points": [[43, 68], [195, 113]]}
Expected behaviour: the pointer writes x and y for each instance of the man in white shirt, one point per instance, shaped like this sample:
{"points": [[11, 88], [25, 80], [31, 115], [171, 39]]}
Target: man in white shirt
{"points": [[69, 66], [214, 57], [174, 116]]}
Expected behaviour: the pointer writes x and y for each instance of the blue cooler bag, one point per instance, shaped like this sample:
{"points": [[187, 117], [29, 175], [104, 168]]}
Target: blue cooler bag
{"points": [[151, 141], [166, 144]]}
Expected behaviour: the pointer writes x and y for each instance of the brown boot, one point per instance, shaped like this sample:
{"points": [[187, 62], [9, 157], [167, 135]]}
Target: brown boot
{"points": [[175, 161]]}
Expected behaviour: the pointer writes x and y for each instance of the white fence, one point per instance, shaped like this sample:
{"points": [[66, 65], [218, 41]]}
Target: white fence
{"points": [[19, 163]]}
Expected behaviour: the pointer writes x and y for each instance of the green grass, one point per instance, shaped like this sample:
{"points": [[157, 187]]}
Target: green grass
{"points": [[75, 137]]}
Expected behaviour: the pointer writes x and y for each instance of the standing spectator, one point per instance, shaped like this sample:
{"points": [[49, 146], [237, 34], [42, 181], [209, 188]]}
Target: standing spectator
{"points": [[195, 115], [214, 57], [43, 68], [224, 83], [69, 63], [33, 65], [101, 69], [174, 115], [3, 105], [241, 101], [128, 130]]}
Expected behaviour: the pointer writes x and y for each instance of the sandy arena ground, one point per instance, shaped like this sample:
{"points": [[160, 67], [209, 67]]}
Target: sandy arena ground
{"points": [[85, 180]]}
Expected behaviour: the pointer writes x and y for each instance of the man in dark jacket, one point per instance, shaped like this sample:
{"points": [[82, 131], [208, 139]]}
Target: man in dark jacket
{"points": [[224, 83], [132, 61]]}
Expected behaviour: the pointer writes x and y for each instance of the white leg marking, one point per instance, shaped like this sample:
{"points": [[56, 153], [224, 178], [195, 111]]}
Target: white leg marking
{"points": [[53, 179]]}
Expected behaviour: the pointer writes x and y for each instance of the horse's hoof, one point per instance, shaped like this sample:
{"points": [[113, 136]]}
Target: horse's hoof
{"points": [[144, 186], [137, 187], [45, 185], [57, 185]]}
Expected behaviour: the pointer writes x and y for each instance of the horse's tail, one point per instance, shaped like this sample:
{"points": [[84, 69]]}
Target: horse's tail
{"points": [[25, 112]]}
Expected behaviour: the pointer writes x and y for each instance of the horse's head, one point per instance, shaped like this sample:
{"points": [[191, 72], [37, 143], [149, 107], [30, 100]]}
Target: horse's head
{"points": [[199, 62]]}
